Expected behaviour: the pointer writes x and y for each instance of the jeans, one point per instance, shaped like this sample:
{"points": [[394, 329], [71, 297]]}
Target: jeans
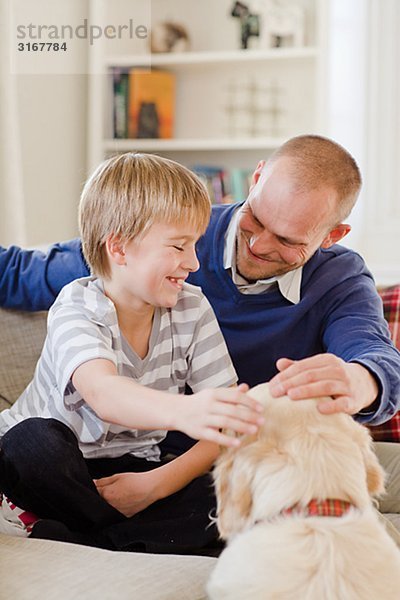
{"points": [[42, 470]]}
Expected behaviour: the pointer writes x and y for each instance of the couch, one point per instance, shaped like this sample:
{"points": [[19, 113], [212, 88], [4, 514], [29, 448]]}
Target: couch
{"points": [[33, 569]]}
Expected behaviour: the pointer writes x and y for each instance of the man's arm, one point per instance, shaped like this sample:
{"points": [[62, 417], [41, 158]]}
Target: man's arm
{"points": [[31, 279], [361, 367]]}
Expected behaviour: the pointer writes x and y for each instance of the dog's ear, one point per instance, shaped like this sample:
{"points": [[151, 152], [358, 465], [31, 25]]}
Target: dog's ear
{"points": [[375, 474], [374, 471], [232, 476]]}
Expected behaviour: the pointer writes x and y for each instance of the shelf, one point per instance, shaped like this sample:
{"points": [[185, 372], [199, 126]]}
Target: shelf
{"points": [[210, 144], [219, 92], [209, 58]]}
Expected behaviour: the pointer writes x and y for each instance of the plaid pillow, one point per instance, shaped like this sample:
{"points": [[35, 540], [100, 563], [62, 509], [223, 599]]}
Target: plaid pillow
{"points": [[390, 431]]}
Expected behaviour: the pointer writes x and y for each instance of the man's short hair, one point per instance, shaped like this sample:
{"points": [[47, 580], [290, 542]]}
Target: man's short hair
{"points": [[129, 193], [317, 162]]}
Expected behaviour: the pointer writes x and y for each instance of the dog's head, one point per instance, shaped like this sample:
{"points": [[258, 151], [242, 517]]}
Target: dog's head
{"points": [[298, 454]]}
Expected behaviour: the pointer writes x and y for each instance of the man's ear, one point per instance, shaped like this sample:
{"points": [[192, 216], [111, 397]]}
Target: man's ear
{"points": [[336, 235], [115, 249], [257, 174]]}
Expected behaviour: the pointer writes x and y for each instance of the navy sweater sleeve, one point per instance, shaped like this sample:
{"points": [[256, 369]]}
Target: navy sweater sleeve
{"points": [[355, 330], [31, 279]]}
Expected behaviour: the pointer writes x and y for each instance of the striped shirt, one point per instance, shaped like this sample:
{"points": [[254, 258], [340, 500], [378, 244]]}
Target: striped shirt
{"points": [[185, 347]]}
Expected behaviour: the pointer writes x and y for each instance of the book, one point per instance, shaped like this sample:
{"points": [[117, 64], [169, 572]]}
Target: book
{"points": [[151, 104], [215, 181], [120, 79], [240, 180]]}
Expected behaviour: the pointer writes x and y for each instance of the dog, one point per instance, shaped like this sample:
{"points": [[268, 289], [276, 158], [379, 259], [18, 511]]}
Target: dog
{"points": [[295, 505]]}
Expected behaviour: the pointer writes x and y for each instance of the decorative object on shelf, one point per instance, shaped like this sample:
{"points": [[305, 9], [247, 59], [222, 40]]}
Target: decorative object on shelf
{"points": [[249, 23], [169, 37], [282, 23], [253, 110], [274, 108], [151, 103]]}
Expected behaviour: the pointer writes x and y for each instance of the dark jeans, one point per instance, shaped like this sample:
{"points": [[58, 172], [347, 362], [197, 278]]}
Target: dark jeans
{"points": [[42, 470]]}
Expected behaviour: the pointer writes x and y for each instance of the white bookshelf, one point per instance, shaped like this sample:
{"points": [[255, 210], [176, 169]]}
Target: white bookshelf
{"points": [[174, 60], [191, 144], [212, 78]]}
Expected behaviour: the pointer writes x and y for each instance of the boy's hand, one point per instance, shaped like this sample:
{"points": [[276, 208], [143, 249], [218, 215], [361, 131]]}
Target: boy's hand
{"points": [[205, 413], [129, 493]]}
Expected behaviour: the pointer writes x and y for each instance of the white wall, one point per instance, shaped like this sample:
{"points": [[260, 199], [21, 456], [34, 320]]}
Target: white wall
{"points": [[363, 114], [52, 117], [49, 136]]}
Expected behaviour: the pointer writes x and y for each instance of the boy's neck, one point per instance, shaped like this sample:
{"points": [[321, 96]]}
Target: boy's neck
{"points": [[135, 320]]}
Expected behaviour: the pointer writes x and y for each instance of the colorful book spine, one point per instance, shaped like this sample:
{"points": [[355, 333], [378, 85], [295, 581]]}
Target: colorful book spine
{"points": [[215, 181], [120, 79]]}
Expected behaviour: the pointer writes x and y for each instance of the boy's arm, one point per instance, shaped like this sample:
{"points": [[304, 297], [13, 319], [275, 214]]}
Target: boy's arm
{"points": [[131, 493], [120, 400]]}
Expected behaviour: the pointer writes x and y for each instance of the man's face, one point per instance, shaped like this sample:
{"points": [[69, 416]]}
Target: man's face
{"points": [[280, 225]]}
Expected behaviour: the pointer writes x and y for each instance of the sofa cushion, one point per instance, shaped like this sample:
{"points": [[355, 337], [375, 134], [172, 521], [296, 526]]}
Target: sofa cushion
{"points": [[37, 569], [390, 431], [21, 339]]}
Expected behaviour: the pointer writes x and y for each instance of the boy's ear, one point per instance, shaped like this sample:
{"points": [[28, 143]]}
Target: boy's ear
{"points": [[116, 250]]}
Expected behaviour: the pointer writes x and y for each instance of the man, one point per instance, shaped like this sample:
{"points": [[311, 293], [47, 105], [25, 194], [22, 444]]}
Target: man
{"points": [[293, 306]]}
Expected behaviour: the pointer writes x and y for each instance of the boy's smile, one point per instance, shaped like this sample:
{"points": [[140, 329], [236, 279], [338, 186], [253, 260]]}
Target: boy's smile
{"points": [[150, 270], [176, 282]]}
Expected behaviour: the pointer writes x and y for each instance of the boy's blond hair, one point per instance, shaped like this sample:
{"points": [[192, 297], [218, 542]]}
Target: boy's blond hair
{"points": [[128, 193]]}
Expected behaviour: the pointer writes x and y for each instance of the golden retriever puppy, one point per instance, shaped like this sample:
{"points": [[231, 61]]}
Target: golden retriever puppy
{"points": [[295, 506]]}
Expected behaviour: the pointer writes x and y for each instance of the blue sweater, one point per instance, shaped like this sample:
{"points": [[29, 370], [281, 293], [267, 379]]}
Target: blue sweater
{"points": [[339, 311], [31, 279]]}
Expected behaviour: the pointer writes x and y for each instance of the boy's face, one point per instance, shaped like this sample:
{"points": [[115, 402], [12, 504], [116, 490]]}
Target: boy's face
{"points": [[158, 264]]}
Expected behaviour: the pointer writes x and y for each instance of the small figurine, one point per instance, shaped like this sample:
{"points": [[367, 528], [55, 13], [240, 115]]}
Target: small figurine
{"points": [[169, 37], [282, 24], [249, 23]]}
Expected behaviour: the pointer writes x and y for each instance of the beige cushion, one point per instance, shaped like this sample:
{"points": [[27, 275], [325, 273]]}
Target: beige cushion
{"points": [[38, 569], [21, 340]]}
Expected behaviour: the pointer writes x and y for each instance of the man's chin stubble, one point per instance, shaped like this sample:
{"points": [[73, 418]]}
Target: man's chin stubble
{"points": [[254, 278]]}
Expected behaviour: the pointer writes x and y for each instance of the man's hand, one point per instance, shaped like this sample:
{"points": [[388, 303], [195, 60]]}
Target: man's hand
{"points": [[203, 415], [129, 493], [351, 385]]}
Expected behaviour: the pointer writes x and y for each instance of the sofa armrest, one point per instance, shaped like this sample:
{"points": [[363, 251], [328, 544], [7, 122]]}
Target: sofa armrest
{"points": [[21, 339]]}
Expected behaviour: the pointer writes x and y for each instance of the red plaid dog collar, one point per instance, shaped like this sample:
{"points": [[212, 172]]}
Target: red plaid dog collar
{"points": [[331, 507]]}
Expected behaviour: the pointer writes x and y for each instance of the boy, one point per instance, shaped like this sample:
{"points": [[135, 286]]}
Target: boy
{"points": [[121, 347]]}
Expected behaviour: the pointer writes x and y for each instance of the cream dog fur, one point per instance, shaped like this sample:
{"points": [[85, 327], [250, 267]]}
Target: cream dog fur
{"points": [[300, 455]]}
